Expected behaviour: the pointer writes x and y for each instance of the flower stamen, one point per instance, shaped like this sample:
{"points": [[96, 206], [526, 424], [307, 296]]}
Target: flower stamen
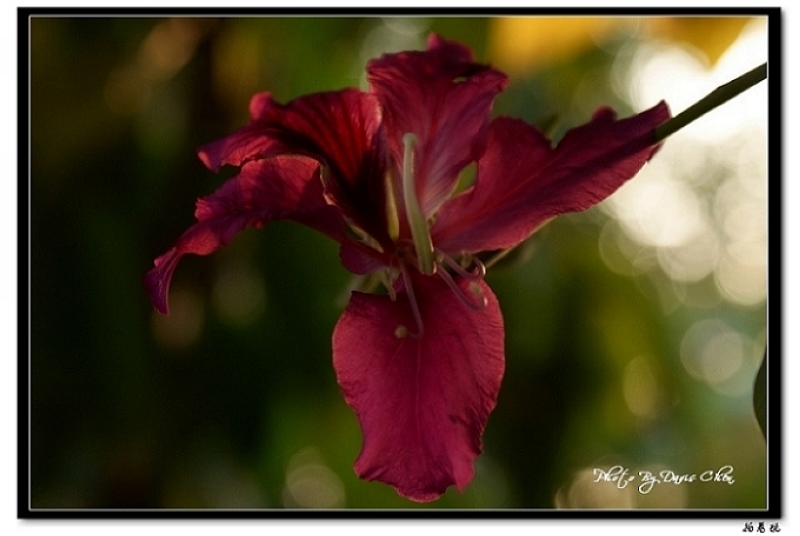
{"points": [[387, 277], [392, 219], [475, 290], [457, 268], [412, 300]]}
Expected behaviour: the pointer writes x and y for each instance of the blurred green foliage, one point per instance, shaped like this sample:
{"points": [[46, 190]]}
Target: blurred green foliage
{"points": [[231, 402]]}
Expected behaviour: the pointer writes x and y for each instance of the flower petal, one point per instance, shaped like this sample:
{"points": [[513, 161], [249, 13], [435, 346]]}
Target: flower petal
{"points": [[264, 190], [522, 182], [258, 139], [422, 402], [444, 99], [340, 129], [361, 259]]}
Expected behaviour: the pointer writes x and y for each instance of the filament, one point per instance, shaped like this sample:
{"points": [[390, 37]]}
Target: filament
{"points": [[457, 268], [387, 278], [412, 300], [392, 219]]}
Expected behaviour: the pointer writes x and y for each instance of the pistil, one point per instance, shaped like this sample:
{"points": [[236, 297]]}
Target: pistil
{"points": [[416, 219]]}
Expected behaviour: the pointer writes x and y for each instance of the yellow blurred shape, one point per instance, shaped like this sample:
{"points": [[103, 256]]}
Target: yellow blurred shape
{"points": [[312, 484], [163, 52], [521, 45], [588, 490], [710, 35], [640, 388], [169, 45], [239, 294], [236, 64], [661, 496], [182, 327]]}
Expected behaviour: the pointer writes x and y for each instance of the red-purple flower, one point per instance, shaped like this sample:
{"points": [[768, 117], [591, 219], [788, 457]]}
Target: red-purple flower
{"points": [[377, 170]]}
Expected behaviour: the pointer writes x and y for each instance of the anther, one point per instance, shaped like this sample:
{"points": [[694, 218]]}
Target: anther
{"points": [[416, 219], [401, 332], [475, 290]]}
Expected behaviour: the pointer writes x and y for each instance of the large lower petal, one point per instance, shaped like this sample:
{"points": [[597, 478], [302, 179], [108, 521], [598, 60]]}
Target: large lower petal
{"points": [[264, 190], [444, 99], [422, 402], [522, 181]]}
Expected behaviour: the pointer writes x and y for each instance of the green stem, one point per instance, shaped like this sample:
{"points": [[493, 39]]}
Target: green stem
{"points": [[717, 97], [714, 99]]}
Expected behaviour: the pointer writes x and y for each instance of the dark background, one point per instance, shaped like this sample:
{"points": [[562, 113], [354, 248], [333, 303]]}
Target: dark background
{"points": [[614, 355]]}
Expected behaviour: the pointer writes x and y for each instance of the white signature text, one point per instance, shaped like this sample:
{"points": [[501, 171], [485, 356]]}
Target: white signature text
{"points": [[646, 480]]}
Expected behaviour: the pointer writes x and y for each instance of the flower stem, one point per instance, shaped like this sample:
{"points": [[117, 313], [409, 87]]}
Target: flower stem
{"points": [[717, 97]]}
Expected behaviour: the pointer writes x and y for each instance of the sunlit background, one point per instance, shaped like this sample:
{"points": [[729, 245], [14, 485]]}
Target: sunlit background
{"points": [[633, 331]]}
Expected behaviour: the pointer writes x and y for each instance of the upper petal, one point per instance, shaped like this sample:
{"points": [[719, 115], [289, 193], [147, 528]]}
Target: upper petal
{"points": [[338, 126], [341, 129], [258, 139], [422, 402], [522, 182], [264, 190], [444, 99]]}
